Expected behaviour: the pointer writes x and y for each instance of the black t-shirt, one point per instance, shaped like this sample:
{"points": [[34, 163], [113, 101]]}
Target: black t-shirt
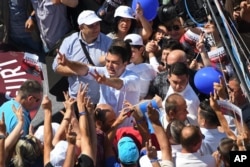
{"points": [[83, 161]]}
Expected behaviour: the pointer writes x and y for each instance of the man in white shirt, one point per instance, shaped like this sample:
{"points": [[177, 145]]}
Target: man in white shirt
{"points": [[208, 122], [178, 77], [116, 83], [191, 139]]}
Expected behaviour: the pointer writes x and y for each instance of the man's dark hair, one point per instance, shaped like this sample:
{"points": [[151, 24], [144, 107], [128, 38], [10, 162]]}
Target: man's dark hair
{"points": [[171, 44], [29, 87], [208, 113], [174, 130], [179, 68], [122, 49]]}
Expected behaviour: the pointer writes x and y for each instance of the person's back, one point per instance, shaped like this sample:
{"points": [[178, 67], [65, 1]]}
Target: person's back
{"points": [[209, 124], [52, 21], [191, 139]]}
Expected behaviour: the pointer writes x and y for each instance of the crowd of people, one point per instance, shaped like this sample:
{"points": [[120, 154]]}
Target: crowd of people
{"points": [[131, 99]]}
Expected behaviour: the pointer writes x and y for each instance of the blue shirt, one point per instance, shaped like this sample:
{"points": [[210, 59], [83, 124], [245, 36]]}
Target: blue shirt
{"points": [[11, 119], [73, 51]]}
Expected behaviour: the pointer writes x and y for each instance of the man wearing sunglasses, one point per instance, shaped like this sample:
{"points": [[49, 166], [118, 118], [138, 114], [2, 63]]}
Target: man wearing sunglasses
{"points": [[28, 98]]}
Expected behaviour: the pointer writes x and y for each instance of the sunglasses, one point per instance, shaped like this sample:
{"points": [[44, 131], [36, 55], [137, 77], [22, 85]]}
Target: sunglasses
{"points": [[174, 27]]}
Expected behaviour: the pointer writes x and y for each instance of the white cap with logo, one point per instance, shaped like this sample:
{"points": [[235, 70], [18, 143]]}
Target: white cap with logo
{"points": [[124, 11], [134, 39], [87, 17]]}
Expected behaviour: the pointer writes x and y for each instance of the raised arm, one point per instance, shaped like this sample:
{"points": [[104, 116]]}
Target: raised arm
{"points": [[201, 48], [222, 119], [69, 106], [15, 134], [112, 82], [70, 155], [2, 141], [140, 121], [161, 136], [87, 142], [152, 154], [67, 68], [47, 108], [146, 26]]}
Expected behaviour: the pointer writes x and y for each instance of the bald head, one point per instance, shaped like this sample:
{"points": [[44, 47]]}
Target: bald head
{"points": [[191, 138], [105, 106], [176, 56]]}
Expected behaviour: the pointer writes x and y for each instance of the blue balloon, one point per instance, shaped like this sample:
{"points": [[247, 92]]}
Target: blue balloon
{"points": [[149, 8], [204, 79]]}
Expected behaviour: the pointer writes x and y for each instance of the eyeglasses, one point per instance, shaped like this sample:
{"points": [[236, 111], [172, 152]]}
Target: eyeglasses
{"points": [[174, 27]]}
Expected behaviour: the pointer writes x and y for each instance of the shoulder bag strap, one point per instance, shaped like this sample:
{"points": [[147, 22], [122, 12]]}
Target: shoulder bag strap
{"points": [[86, 53]]}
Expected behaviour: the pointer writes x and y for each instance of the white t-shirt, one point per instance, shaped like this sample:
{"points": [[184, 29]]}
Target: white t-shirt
{"points": [[194, 160], [146, 73]]}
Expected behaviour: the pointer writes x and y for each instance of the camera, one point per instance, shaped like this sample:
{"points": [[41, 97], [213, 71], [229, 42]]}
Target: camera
{"points": [[188, 10]]}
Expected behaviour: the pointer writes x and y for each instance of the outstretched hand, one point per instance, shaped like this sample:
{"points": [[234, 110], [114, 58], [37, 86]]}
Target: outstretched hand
{"points": [[61, 59], [245, 11], [138, 11], [213, 102], [101, 79], [69, 101], [46, 103], [220, 88], [18, 112], [151, 150], [153, 114], [81, 97]]}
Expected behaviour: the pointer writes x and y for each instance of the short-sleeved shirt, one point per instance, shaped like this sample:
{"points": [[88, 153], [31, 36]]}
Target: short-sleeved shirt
{"points": [[11, 119], [73, 51], [52, 21]]}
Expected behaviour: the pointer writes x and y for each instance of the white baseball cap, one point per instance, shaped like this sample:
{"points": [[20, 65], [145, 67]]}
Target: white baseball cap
{"points": [[39, 132], [87, 17], [136, 39], [58, 154], [124, 11]]}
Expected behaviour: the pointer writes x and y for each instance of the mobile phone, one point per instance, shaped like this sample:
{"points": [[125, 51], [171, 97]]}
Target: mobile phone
{"points": [[129, 111]]}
